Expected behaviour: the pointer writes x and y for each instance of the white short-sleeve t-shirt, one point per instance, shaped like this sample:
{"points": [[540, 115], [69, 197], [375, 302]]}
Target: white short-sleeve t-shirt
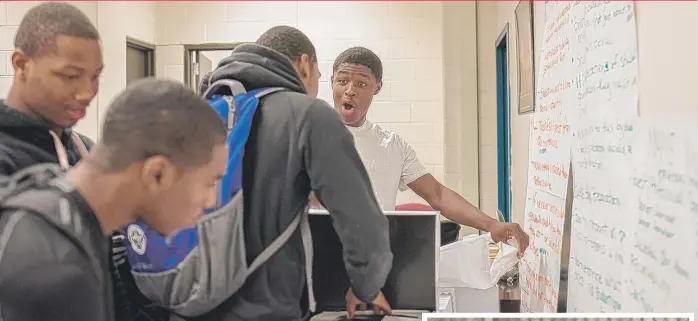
{"points": [[390, 161]]}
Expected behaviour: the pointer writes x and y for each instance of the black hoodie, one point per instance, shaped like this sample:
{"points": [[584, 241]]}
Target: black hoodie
{"points": [[25, 141], [297, 144]]}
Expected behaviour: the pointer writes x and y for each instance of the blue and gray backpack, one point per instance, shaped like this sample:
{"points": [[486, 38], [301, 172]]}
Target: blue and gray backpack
{"points": [[202, 266]]}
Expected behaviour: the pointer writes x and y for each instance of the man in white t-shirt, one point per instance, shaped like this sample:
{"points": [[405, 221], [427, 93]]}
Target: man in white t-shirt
{"points": [[391, 162]]}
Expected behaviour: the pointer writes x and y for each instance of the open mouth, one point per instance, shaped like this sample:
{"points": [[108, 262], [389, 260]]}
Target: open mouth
{"points": [[347, 109]]}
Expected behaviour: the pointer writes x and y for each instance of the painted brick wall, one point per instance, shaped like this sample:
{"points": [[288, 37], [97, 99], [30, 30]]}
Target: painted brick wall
{"points": [[460, 100], [429, 106], [408, 36], [492, 16], [114, 20]]}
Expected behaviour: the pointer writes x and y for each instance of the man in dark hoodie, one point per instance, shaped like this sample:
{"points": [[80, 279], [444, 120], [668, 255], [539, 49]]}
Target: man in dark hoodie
{"points": [[57, 62], [297, 145]]}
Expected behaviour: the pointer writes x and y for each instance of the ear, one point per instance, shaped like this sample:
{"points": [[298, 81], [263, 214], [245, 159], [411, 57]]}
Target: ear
{"points": [[379, 85], [157, 174], [305, 66], [20, 62]]}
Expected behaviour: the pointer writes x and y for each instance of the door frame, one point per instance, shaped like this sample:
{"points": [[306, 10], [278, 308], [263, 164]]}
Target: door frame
{"points": [[191, 56], [148, 49], [503, 124]]}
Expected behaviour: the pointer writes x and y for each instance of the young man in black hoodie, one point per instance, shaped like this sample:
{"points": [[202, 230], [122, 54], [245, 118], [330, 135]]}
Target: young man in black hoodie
{"points": [[297, 145], [57, 62]]}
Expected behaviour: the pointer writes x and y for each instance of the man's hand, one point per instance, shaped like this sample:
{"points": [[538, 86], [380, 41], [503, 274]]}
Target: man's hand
{"points": [[380, 304], [501, 232]]}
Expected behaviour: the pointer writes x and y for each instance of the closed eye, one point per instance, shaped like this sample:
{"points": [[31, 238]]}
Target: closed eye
{"points": [[69, 77]]}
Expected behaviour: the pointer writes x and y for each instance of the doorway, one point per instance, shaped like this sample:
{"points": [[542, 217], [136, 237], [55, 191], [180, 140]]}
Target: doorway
{"points": [[202, 59], [140, 60], [503, 125]]}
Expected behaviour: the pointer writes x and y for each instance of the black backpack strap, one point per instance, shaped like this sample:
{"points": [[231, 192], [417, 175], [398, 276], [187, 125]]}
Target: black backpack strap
{"points": [[28, 178], [41, 192], [19, 190]]}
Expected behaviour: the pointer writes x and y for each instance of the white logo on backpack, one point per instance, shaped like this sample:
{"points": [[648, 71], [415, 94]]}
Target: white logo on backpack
{"points": [[136, 236]]}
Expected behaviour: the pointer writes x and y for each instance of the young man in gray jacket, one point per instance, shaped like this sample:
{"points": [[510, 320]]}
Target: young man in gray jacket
{"points": [[161, 152]]}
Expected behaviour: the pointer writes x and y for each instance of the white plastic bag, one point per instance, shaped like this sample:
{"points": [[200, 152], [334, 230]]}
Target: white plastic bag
{"points": [[466, 263]]}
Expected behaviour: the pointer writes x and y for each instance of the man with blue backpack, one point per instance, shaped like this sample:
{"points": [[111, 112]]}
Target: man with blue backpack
{"points": [[251, 260]]}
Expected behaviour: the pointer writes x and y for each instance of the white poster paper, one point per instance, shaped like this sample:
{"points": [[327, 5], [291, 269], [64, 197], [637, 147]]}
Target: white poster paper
{"points": [[635, 209], [548, 170], [539, 271], [605, 55], [660, 271], [600, 219]]}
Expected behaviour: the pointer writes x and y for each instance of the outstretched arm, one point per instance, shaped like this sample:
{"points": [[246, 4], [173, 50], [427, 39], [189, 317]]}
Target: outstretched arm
{"points": [[458, 209]]}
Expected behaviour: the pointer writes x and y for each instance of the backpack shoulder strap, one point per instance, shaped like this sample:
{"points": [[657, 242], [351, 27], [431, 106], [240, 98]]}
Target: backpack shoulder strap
{"points": [[235, 87], [240, 118], [27, 178], [275, 245], [52, 203], [300, 220], [37, 177], [266, 91]]}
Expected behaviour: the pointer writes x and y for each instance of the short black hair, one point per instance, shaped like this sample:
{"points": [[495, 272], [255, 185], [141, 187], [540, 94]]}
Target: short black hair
{"points": [[44, 22], [205, 82], [360, 56], [289, 41], [159, 117]]}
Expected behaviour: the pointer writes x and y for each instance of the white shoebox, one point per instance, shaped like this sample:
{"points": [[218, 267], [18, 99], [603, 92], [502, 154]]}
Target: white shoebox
{"points": [[469, 300]]}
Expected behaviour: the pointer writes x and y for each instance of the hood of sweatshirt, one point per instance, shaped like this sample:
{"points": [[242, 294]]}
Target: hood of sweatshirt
{"points": [[256, 67]]}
